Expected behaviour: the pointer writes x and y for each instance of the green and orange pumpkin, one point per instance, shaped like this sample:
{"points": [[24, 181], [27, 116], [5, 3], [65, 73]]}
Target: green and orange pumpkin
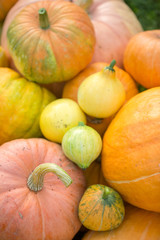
{"points": [[21, 105]]}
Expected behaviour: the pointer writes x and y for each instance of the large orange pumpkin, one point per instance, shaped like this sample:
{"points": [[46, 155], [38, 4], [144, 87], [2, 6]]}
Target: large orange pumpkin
{"points": [[142, 58], [41, 39], [31, 208], [137, 224], [70, 90], [131, 151], [5, 6], [114, 23]]}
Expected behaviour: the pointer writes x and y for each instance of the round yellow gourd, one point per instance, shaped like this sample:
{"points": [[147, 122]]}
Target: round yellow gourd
{"points": [[101, 94]]}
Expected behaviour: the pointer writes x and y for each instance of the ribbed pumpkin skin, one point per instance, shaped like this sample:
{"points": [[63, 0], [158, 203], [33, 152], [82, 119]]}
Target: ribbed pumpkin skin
{"points": [[49, 214], [5, 6], [70, 90], [137, 224], [100, 214], [141, 58], [21, 105], [55, 54], [131, 151]]}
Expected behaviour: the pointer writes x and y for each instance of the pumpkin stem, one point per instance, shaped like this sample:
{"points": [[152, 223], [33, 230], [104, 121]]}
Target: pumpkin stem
{"points": [[43, 18], [110, 67], [35, 179], [81, 124], [94, 120], [106, 192]]}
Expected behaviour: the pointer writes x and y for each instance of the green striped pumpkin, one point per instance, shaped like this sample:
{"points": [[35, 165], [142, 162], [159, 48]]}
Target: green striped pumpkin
{"points": [[101, 208]]}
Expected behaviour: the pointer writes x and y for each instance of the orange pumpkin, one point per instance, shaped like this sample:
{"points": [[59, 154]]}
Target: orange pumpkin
{"points": [[41, 42], [131, 151], [33, 208], [5, 6], [141, 58], [101, 208], [137, 224], [70, 90]]}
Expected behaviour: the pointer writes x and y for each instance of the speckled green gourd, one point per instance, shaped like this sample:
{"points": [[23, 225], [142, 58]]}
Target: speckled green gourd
{"points": [[101, 208]]}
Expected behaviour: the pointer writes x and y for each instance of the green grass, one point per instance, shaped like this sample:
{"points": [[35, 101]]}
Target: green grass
{"points": [[147, 12]]}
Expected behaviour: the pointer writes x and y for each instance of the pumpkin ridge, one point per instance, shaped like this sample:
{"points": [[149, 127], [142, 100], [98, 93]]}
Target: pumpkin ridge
{"points": [[103, 210], [89, 212], [56, 59], [11, 190], [39, 110], [14, 108], [36, 119], [36, 45], [132, 180], [42, 217]]}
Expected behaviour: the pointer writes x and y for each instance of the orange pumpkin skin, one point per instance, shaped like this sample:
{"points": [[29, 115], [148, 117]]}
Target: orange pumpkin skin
{"points": [[70, 90], [5, 6], [137, 224], [131, 151], [50, 55], [141, 58], [51, 213], [101, 208]]}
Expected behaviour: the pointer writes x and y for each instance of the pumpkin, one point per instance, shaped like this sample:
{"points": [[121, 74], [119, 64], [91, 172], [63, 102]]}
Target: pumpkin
{"points": [[70, 90], [3, 58], [101, 208], [33, 208], [141, 58], [58, 117], [21, 105], [131, 151], [101, 94], [41, 42], [82, 145], [5, 6], [137, 224], [114, 23]]}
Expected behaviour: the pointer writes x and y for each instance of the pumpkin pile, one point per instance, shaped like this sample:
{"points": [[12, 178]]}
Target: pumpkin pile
{"points": [[79, 140]]}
